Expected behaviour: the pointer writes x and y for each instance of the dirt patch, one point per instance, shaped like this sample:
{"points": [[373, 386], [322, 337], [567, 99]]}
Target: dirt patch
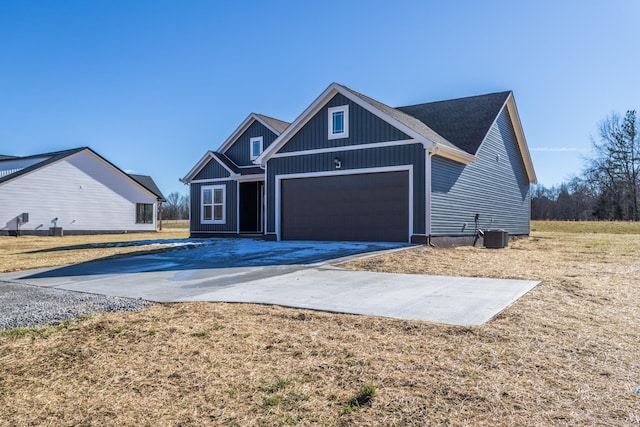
{"points": [[565, 354]]}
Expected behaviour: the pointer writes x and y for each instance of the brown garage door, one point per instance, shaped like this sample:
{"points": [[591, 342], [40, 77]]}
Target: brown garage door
{"points": [[363, 207]]}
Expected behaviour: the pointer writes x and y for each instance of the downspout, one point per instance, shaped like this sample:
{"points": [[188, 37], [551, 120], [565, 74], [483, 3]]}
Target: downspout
{"points": [[429, 152]]}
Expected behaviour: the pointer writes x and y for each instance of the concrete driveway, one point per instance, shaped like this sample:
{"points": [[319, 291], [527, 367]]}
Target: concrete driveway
{"points": [[293, 274]]}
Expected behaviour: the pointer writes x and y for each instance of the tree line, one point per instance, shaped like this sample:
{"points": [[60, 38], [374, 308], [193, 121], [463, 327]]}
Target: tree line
{"points": [[609, 185], [176, 206]]}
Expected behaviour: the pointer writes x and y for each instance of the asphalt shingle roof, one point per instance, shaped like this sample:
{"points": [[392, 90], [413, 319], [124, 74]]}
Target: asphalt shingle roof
{"points": [[278, 125], [404, 118], [147, 182], [231, 165], [464, 121]]}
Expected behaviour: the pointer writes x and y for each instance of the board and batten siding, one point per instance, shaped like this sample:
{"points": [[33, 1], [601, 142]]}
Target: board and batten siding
{"points": [[84, 192], [495, 186], [212, 170], [231, 203], [399, 155], [240, 151], [364, 128]]}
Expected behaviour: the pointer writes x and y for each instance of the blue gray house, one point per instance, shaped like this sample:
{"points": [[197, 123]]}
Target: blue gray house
{"points": [[352, 168]]}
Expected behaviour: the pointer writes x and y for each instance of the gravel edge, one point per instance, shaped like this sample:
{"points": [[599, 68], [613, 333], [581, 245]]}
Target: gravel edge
{"points": [[27, 306]]}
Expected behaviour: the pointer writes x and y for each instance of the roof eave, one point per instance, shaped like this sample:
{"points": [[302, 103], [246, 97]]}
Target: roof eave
{"points": [[242, 128], [198, 166], [297, 124], [522, 141], [319, 103], [453, 154]]}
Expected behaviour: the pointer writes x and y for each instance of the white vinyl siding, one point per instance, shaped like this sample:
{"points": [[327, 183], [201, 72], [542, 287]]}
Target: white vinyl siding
{"points": [[82, 191]]}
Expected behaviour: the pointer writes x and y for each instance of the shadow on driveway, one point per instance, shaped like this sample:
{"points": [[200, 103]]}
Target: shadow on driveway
{"points": [[196, 254]]}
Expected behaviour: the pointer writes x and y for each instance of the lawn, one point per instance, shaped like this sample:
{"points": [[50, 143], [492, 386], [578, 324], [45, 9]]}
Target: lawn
{"points": [[27, 252], [564, 354]]}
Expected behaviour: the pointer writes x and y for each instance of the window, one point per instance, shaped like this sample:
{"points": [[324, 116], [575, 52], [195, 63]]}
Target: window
{"points": [[213, 204], [339, 122], [144, 213], [256, 147]]}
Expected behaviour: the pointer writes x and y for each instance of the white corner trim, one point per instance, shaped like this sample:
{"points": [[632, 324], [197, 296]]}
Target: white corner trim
{"points": [[346, 148], [427, 190], [399, 168]]}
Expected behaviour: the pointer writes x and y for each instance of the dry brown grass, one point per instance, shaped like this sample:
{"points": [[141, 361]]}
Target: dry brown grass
{"points": [[26, 252], [565, 354]]}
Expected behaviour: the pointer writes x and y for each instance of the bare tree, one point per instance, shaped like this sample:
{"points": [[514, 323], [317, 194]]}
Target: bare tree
{"points": [[172, 206], [184, 207], [615, 168]]}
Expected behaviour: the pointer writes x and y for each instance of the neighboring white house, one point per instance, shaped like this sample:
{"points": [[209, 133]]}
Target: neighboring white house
{"points": [[74, 192]]}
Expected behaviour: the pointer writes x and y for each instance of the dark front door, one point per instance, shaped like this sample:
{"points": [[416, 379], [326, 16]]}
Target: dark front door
{"points": [[363, 207], [251, 195]]}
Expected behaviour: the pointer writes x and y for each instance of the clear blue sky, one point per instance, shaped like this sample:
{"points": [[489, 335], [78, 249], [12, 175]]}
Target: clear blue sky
{"points": [[152, 85]]}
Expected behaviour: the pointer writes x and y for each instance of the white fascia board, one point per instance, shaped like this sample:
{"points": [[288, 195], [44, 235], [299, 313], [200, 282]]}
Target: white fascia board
{"points": [[194, 170], [453, 154], [236, 133], [221, 163], [334, 88], [265, 124], [112, 167], [210, 155], [250, 178], [522, 142], [298, 123], [242, 129]]}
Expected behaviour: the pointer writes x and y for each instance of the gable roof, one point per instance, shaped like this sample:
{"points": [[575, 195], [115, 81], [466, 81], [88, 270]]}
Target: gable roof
{"points": [[147, 182], [464, 121], [15, 167], [274, 125], [413, 127], [453, 128], [278, 125], [224, 161]]}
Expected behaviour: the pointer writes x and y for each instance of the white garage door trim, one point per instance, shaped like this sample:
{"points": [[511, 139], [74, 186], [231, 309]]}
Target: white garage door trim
{"points": [[279, 178]]}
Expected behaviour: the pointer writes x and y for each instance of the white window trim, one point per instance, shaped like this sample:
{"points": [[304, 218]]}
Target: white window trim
{"points": [[330, 111], [251, 141], [213, 188]]}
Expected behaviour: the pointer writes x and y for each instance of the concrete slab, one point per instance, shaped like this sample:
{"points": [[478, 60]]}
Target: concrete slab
{"points": [[451, 300], [292, 274]]}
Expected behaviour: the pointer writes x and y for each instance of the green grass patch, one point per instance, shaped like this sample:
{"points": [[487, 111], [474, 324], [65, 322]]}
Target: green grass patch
{"points": [[278, 385], [364, 395], [271, 401], [606, 227], [21, 332], [201, 334]]}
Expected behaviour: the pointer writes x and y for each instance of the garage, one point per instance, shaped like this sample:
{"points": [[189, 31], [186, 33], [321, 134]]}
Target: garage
{"points": [[358, 207]]}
